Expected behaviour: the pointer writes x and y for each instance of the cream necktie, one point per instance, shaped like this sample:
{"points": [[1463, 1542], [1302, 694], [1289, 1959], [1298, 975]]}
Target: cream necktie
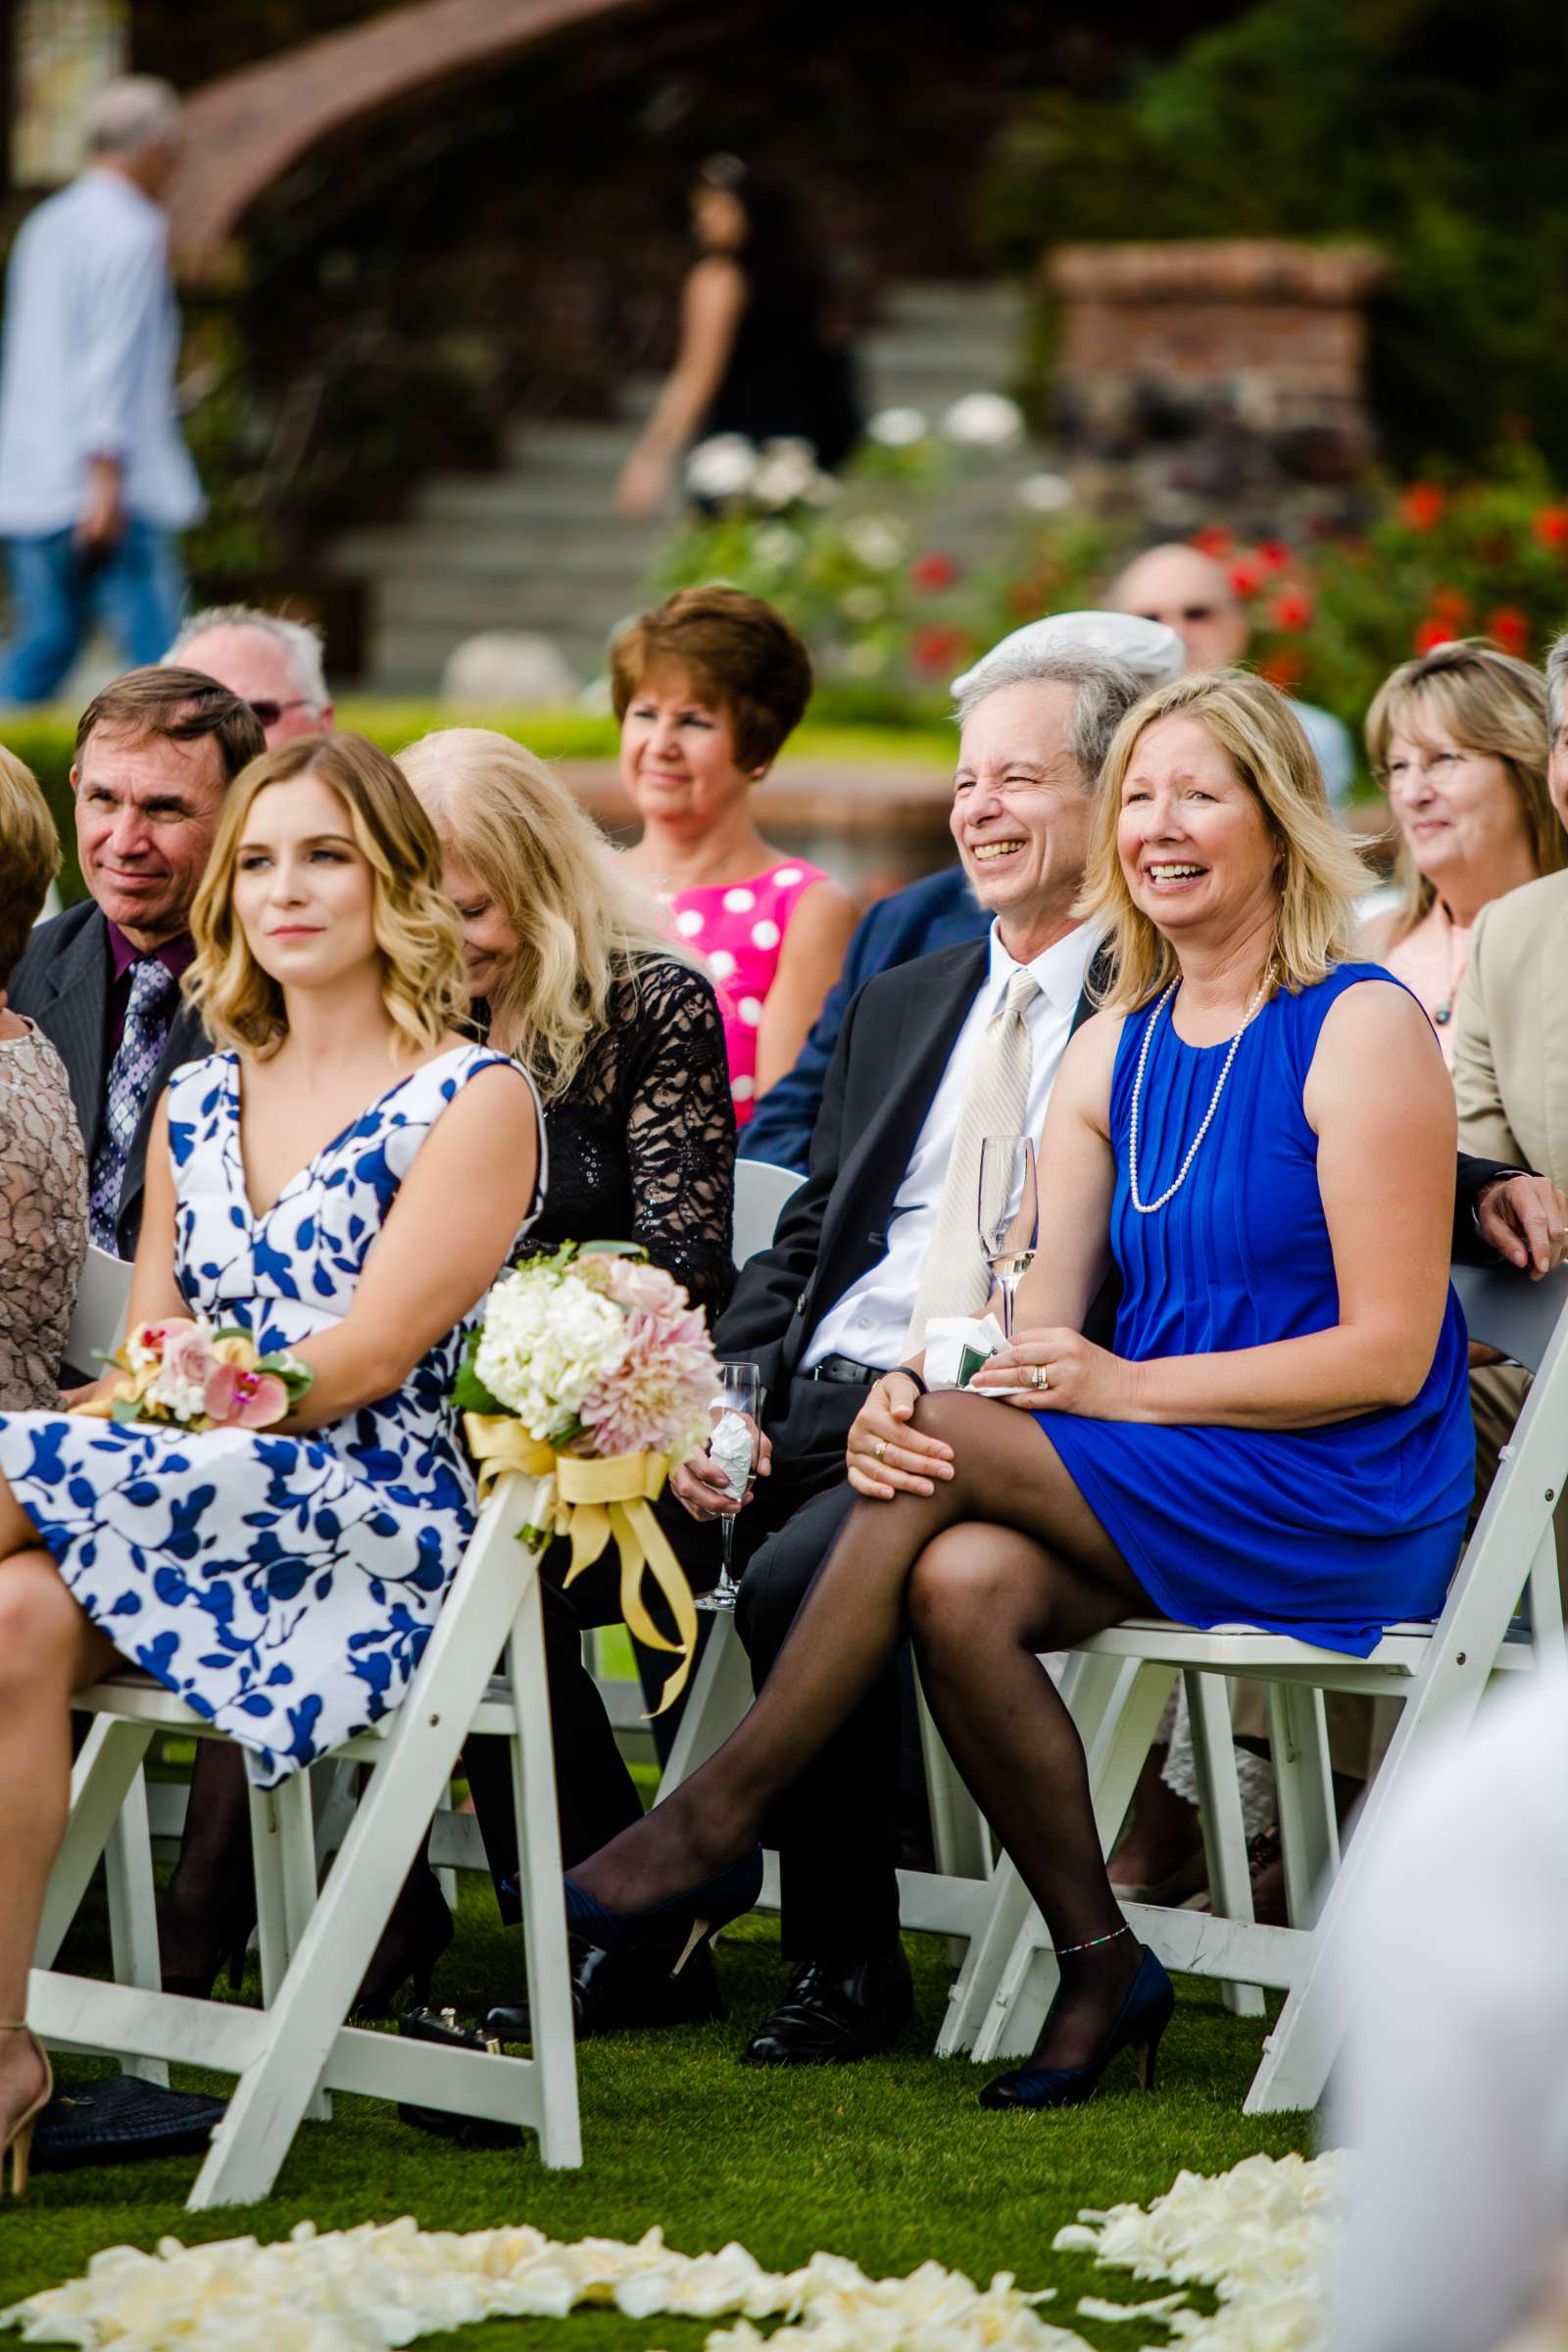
{"points": [[955, 1280]]}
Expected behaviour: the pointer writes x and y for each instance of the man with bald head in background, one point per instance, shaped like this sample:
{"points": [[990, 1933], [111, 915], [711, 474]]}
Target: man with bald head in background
{"points": [[1192, 594]]}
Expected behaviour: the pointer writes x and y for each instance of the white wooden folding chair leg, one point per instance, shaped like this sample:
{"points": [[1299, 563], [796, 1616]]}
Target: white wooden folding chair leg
{"points": [[539, 1875], [1219, 1795], [1309, 1831], [1092, 1689], [133, 1908], [1545, 1591], [334, 1792], [283, 1843], [720, 1693]]}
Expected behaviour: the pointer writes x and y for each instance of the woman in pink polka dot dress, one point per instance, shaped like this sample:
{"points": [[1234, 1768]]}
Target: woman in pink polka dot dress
{"points": [[707, 689]]}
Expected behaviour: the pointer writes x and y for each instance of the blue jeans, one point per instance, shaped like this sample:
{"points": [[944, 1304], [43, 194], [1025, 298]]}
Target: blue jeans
{"points": [[139, 591]]}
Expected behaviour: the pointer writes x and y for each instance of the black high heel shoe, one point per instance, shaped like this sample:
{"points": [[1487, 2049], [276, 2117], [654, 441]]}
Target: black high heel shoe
{"points": [[1140, 2022], [411, 1943], [697, 1912]]}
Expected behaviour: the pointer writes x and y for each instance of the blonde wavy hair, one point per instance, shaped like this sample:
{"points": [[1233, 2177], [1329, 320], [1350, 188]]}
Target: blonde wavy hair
{"points": [[551, 874], [1484, 701], [1320, 875], [423, 977]]}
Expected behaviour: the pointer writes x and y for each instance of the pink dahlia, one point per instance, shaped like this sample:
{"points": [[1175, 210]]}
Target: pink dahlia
{"points": [[657, 1398]]}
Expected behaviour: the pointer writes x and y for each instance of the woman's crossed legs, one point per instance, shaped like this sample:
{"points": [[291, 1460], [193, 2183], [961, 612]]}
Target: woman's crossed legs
{"points": [[1003, 1561]]}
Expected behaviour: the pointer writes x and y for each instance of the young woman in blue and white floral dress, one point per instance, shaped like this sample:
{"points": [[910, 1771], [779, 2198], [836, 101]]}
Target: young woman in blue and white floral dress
{"points": [[345, 1179]]}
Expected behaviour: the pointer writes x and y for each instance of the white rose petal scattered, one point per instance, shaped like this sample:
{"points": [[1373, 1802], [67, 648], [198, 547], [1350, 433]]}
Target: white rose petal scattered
{"points": [[1260, 2236], [984, 421], [897, 428]]}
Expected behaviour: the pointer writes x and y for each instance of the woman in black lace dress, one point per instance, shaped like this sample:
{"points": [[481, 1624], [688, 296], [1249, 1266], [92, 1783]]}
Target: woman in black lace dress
{"points": [[622, 1033], [570, 971]]}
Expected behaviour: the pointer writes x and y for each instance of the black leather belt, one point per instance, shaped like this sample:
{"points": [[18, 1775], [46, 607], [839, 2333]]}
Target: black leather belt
{"points": [[845, 1368]]}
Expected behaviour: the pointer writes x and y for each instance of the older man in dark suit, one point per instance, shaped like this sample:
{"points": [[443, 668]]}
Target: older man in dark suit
{"points": [[154, 753]]}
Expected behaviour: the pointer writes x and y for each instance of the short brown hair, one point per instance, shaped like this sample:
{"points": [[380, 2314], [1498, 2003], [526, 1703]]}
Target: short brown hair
{"points": [[423, 982], [31, 859], [739, 654], [180, 706]]}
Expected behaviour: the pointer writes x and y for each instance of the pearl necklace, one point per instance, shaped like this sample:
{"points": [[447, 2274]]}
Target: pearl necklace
{"points": [[1146, 1208]]}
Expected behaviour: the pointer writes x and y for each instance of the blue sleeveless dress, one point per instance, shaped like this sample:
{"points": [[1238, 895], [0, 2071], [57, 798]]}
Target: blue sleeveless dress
{"points": [[1327, 1534], [283, 1587]]}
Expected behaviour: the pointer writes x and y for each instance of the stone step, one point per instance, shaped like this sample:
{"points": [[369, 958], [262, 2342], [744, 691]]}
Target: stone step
{"points": [[519, 599], [509, 544], [556, 446], [408, 659]]}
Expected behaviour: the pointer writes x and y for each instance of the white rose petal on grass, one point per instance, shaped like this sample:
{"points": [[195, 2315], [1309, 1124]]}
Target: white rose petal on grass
{"points": [[896, 428], [984, 421]]}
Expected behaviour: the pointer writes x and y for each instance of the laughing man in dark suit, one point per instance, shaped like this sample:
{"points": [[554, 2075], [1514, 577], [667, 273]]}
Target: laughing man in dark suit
{"points": [[154, 753]]}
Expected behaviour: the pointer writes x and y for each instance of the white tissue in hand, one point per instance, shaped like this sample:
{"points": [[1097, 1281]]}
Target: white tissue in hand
{"points": [[949, 1338], [731, 1446]]}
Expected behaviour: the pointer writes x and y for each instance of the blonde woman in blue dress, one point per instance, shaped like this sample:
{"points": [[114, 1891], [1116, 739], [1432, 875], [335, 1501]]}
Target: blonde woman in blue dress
{"points": [[345, 1178]]}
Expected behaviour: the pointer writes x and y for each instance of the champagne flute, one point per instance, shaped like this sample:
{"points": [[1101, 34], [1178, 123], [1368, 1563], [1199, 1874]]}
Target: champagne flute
{"points": [[740, 1400], [1007, 1213]]}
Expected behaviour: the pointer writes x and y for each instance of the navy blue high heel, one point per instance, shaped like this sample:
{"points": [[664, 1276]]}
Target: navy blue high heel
{"points": [[700, 1910], [1141, 2021]]}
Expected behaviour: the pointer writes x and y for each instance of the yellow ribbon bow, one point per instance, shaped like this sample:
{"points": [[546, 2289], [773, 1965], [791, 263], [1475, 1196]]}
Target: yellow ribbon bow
{"points": [[596, 1500]]}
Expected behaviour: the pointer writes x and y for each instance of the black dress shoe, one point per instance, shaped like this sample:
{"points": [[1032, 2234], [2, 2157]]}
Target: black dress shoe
{"points": [[837, 2010], [615, 1992]]}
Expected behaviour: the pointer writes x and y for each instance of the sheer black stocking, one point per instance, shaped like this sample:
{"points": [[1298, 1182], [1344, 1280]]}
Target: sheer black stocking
{"points": [[1003, 1560], [209, 1909]]}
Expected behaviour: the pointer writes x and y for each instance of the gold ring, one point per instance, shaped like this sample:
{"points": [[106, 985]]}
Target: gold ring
{"points": [[879, 1450], [1041, 1377]]}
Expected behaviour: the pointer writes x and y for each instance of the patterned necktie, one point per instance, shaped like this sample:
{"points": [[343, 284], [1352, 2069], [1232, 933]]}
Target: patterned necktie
{"points": [[957, 1280], [138, 1055]]}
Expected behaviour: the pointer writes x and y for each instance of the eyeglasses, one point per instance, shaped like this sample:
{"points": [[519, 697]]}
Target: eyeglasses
{"points": [[1441, 764], [1191, 613], [270, 712]]}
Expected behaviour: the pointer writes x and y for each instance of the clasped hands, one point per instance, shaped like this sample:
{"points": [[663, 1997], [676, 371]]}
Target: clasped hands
{"points": [[1038, 1371]]}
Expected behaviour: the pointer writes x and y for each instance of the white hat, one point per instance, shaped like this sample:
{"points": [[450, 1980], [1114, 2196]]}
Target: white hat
{"points": [[1152, 652]]}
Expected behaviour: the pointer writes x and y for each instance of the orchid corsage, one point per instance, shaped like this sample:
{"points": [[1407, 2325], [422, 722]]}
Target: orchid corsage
{"points": [[183, 1373]]}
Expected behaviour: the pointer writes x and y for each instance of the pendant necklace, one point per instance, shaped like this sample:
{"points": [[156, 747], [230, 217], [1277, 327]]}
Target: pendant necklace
{"points": [[1442, 1013], [1146, 1208]]}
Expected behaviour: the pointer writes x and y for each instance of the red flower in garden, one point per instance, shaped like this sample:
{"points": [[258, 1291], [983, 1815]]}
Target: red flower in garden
{"points": [[1433, 633], [933, 651], [1451, 605], [1213, 540], [1550, 525], [1272, 554], [1510, 627], [1421, 509], [933, 571], [1245, 577], [1292, 609], [1284, 669]]}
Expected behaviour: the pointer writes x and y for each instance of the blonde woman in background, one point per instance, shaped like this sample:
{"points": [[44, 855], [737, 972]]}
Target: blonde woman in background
{"points": [[570, 969], [43, 1181], [1460, 740]]}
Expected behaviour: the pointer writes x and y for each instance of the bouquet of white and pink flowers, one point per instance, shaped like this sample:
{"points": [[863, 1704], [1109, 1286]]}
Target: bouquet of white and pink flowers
{"points": [[593, 1368], [185, 1374]]}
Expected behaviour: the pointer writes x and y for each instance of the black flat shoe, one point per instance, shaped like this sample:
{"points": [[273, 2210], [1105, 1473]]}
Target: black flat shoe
{"points": [[619, 1992], [1140, 2022], [836, 2011]]}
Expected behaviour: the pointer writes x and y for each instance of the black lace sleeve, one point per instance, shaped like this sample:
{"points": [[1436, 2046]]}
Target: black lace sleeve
{"points": [[680, 1128], [642, 1143]]}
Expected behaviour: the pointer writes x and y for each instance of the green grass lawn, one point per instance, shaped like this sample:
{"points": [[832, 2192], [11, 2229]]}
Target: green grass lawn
{"points": [[890, 2162]]}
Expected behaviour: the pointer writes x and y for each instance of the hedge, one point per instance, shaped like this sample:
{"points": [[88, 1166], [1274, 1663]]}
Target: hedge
{"points": [[45, 740]]}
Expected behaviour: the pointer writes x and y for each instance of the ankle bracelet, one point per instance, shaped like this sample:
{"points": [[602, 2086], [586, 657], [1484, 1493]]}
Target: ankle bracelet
{"points": [[1064, 1952]]}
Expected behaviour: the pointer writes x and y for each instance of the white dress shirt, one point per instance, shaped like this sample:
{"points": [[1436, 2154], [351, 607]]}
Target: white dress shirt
{"points": [[91, 345], [870, 1321]]}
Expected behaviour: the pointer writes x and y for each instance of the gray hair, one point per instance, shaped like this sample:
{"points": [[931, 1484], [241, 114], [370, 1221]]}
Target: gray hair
{"points": [[301, 640], [1106, 691], [137, 110], [1556, 668]]}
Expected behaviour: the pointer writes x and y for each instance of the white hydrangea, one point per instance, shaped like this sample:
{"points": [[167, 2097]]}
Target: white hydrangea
{"points": [[544, 1345], [722, 467], [984, 421], [896, 428], [785, 472], [875, 541]]}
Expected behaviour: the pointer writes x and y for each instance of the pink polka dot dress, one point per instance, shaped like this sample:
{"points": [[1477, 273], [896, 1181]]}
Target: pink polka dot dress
{"points": [[740, 927]]}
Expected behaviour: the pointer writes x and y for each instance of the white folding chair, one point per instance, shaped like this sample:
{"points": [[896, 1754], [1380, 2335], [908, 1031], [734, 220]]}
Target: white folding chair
{"points": [[314, 1950], [1117, 1686], [103, 1299]]}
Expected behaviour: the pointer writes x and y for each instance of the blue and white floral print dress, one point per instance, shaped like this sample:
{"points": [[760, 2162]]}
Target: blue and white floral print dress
{"points": [[284, 1587]]}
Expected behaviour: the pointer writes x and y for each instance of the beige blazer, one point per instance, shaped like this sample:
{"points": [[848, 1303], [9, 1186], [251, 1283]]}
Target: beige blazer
{"points": [[1510, 1052]]}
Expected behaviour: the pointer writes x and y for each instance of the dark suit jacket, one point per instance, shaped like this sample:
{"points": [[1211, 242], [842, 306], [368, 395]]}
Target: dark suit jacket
{"points": [[895, 1043], [63, 983]]}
